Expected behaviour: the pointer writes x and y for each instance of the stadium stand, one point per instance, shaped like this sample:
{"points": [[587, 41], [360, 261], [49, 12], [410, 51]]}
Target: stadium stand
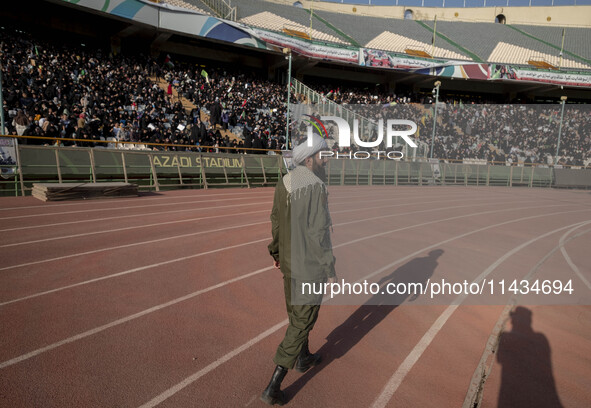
{"points": [[249, 12], [498, 133], [80, 103], [483, 39], [369, 30], [397, 43], [219, 8], [94, 96], [191, 5], [513, 54], [274, 22], [576, 39], [478, 41], [144, 113]]}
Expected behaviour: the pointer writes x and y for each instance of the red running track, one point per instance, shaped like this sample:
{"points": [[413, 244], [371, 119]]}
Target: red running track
{"points": [[169, 300]]}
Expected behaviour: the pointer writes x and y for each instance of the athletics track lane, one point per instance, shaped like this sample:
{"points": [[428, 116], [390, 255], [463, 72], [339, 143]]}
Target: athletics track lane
{"points": [[152, 366]]}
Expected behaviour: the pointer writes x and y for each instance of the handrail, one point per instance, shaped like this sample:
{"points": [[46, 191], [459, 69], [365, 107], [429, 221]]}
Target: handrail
{"points": [[333, 107], [328, 107], [122, 142], [222, 8], [441, 160]]}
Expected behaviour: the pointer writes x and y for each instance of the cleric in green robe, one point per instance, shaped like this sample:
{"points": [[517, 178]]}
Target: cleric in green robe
{"points": [[302, 249]]}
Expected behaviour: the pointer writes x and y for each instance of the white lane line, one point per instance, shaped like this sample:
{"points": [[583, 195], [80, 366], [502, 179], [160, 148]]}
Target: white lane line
{"points": [[412, 358], [246, 194], [447, 219], [118, 209], [152, 241], [381, 217], [167, 212], [138, 269], [485, 365], [365, 209], [572, 264], [334, 247], [60, 258], [123, 217], [235, 214], [346, 223], [175, 301], [409, 362], [158, 224], [124, 200], [348, 201], [127, 319], [188, 381], [191, 379]]}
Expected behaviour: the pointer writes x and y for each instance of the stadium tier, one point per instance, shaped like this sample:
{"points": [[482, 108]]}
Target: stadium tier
{"points": [[279, 17], [191, 95], [372, 31], [519, 44], [480, 42], [576, 39], [494, 42], [191, 5], [461, 3], [205, 166]]}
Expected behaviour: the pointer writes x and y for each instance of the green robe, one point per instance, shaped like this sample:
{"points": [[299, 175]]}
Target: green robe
{"points": [[301, 227]]}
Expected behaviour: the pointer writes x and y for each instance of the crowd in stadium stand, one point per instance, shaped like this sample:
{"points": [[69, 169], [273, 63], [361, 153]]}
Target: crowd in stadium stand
{"points": [[76, 93], [70, 92], [249, 106], [471, 128], [514, 133]]}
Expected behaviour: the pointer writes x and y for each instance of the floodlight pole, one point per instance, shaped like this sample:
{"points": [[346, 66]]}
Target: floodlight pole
{"points": [[437, 85], [2, 128], [288, 52], [311, 15], [563, 100]]}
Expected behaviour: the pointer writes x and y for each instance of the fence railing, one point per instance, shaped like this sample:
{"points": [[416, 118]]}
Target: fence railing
{"points": [[395, 173], [326, 107], [463, 3], [160, 170], [222, 8], [150, 170]]}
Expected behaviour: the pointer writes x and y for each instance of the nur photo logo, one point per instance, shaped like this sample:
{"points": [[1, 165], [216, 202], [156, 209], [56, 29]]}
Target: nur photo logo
{"points": [[392, 130]]}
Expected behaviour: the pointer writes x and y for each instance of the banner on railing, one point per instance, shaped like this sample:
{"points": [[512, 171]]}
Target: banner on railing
{"points": [[458, 70], [8, 155], [191, 160], [384, 59], [508, 72], [168, 6], [312, 50], [435, 67]]}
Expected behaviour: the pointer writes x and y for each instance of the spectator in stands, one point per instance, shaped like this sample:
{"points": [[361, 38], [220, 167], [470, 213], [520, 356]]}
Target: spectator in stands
{"points": [[21, 122], [215, 113]]}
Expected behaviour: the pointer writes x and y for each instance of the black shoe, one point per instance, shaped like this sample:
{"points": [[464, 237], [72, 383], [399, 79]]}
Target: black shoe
{"points": [[306, 360], [273, 394]]}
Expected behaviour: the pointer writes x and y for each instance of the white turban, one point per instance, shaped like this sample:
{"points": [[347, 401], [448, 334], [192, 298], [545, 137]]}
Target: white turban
{"points": [[302, 151]]}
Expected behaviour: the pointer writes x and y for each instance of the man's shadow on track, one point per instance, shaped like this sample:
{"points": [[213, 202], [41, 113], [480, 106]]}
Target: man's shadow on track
{"points": [[527, 379], [369, 315]]}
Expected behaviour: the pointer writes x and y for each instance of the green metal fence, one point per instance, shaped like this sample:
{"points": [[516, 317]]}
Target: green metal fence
{"points": [[151, 170], [162, 170]]}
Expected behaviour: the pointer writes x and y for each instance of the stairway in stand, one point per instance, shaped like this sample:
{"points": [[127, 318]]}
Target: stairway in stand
{"points": [[189, 106]]}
